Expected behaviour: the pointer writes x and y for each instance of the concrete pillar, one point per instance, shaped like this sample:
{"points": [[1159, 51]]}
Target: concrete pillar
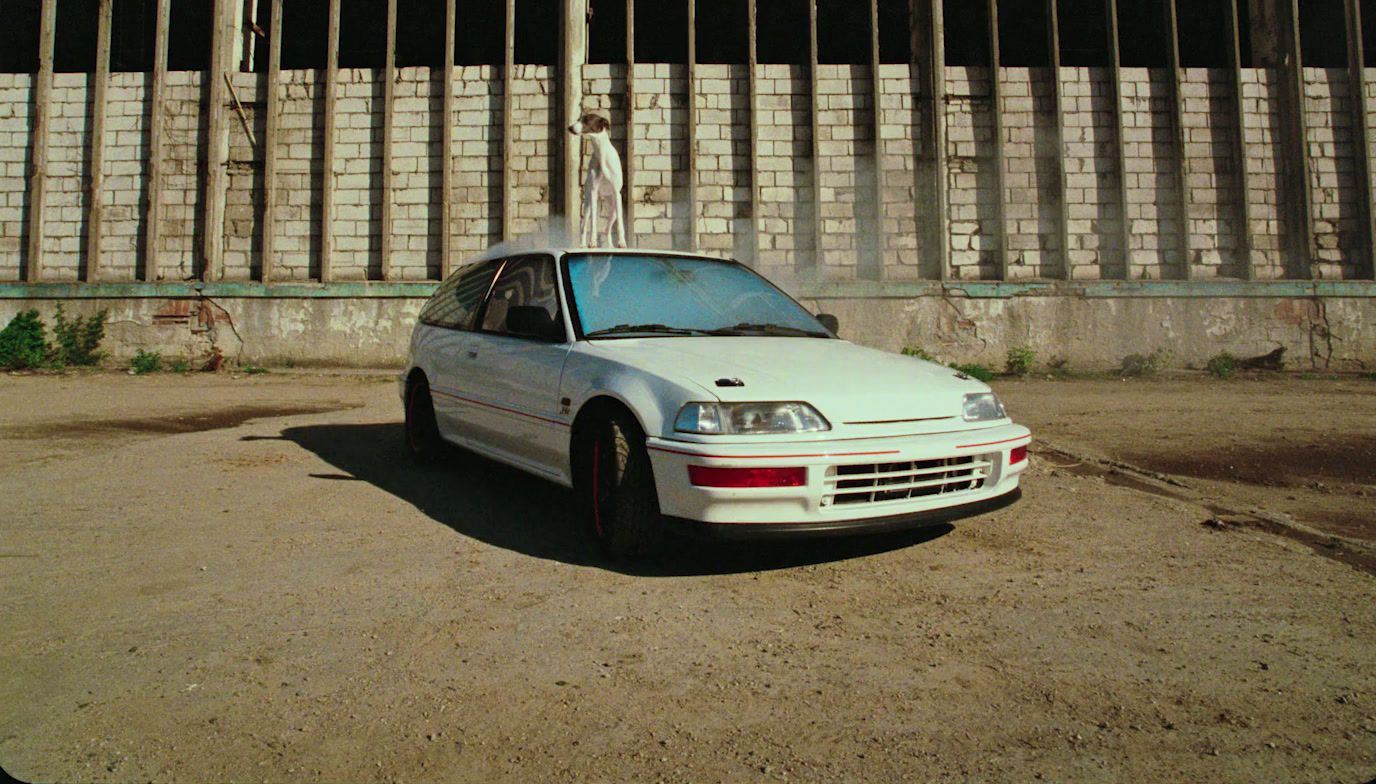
{"points": [[575, 55]]}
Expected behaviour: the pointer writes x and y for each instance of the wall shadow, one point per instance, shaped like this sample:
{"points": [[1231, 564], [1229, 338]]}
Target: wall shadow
{"points": [[506, 508]]}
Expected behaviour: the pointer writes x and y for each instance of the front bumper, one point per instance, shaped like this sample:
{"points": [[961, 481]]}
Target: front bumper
{"points": [[864, 526], [851, 484]]}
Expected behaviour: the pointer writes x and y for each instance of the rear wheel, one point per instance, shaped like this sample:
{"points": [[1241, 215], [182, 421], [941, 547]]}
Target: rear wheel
{"points": [[423, 442], [618, 493]]}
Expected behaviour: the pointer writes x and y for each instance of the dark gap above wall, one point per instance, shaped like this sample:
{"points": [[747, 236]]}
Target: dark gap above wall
{"points": [[661, 32], [1023, 34], [967, 32]]}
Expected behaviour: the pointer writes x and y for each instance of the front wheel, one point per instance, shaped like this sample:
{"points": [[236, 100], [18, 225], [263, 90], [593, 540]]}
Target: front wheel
{"points": [[423, 442], [619, 496]]}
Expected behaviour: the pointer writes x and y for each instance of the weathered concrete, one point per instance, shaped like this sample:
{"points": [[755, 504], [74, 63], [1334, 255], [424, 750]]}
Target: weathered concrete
{"points": [[1086, 333], [1096, 334]]}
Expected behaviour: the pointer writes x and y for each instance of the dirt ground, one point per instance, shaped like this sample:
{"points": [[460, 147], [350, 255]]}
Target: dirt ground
{"points": [[209, 578]]}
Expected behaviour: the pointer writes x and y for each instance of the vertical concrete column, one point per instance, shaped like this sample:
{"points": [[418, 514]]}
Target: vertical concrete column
{"points": [[1053, 31], [95, 187], [1000, 167], [692, 115], [327, 175], [38, 154], [447, 149], [574, 52], [1178, 130], [1239, 148], [274, 121], [156, 109], [1361, 141], [628, 165], [818, 254], [508, 123], [753, 63], [389, 120], [1115, 62], [928, 34], [873, 269], [1276, 44], [216, 152]]}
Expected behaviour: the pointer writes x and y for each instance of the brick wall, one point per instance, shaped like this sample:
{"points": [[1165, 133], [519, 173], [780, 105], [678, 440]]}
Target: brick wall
{"points": [[1162, 244]]}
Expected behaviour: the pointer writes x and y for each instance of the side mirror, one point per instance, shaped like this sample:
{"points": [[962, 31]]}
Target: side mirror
{"points": [[532, 321], [829, 321]]}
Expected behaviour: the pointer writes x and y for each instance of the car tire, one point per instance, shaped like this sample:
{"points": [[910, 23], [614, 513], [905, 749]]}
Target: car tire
{"points": [[619, 496], [423, 442]]}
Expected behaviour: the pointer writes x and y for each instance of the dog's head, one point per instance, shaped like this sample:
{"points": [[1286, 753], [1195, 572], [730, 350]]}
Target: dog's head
{"points": [[590, 123]]}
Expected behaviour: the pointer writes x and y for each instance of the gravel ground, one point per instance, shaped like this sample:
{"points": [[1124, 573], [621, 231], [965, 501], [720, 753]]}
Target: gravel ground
{"points": [[217, 578]]}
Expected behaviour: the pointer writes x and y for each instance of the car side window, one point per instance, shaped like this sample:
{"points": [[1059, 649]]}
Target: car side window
{"points": [[525, 283], [457, 299]]}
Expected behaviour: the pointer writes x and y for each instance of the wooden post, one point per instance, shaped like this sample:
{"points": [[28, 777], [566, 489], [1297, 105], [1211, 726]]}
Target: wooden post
{"points": [[1361, 135], [1244, 194], [1058, 99], [38, 164], [629, 164], [692, 151], [447, 149], [389, 120], [1000, 166], [574, 51], [95, 188], [818, 255], [508, 125], [1295, 147], [875, 269], [156, 109], [1182, 162], [1115, 62], [327, 176], [274, 121], [753, 81], [217, 146]]}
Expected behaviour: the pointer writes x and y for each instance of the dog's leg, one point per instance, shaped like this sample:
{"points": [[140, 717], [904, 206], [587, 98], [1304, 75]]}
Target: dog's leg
{"points": [[590, 226], [618, 221]]}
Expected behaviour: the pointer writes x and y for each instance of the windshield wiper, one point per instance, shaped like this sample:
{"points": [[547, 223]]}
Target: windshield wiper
{"points": [[650, 329], [770, 329]]}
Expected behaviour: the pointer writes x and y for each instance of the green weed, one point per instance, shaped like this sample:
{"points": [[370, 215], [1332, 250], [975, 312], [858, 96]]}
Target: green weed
{"points": [[975, 371], [1222, 365], [1144, 365], [23, 343], [146, 362], [1020, 361], [78, 340]]}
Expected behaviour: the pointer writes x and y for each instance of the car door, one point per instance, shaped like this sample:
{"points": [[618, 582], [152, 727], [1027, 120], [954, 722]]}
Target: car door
{"points": [[445, 343], [517, 357]]}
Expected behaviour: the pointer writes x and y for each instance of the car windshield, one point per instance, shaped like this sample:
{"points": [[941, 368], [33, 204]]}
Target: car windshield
{"points": [[631, 295]]}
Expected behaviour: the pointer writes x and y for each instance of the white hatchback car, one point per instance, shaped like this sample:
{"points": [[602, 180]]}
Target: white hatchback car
{"points": [[673, 390]]}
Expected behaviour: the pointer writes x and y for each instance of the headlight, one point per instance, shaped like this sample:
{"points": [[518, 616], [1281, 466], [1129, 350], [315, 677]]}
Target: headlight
{"points": [[749, 418], [983, 407]]}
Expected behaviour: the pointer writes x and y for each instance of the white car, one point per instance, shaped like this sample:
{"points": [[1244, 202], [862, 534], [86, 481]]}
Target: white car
{"points": [[674, 390]]}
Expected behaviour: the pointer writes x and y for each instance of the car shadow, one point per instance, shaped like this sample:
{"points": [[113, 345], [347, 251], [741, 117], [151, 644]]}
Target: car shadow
{"points": [[507, 508]]}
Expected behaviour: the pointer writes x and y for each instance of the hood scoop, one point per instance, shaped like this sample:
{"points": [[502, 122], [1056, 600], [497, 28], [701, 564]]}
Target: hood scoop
{"points": [[730, 382]]}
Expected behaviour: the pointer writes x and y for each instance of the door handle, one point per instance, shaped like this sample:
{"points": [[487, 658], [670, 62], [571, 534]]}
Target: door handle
{"points": [[472, 355]]}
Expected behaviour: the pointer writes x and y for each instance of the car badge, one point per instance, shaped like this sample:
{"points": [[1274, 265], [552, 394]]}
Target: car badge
{"points": [[962, 377], [730, 382]]}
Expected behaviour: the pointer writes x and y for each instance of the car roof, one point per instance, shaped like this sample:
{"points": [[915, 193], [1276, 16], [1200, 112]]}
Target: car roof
{"points": [[506, 250]]}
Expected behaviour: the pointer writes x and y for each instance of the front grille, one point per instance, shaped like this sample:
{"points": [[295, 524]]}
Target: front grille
{"points": [[877, 482]]}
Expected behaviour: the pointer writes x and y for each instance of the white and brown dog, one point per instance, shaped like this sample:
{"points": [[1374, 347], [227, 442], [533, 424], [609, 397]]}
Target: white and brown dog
{"points": [[602, 188]]}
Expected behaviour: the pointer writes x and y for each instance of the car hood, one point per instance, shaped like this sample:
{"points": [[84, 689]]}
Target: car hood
{"points": [[854, 387]]}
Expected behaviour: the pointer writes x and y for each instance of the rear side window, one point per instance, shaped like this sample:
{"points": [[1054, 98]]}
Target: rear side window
{"points": [[456, 301], [524, 282]]}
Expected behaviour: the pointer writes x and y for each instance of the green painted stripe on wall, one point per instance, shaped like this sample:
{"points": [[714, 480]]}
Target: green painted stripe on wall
{"points": [[812, 290]]}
